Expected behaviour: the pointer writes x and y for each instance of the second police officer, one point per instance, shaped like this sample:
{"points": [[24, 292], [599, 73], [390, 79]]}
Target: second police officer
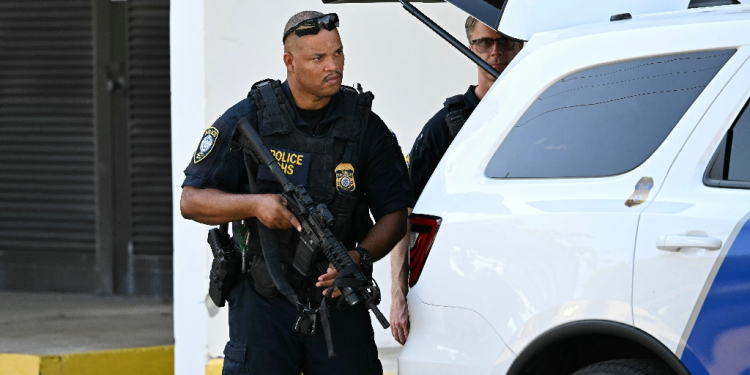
{"points": [[325, 137], [496, 49]]}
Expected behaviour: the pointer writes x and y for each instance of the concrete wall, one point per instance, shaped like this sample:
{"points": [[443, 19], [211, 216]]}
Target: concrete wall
{"points": [[220, 48]]}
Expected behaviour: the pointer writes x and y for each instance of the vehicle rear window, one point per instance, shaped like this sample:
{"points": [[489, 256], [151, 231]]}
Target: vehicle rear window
{"points": [[606, 120]]}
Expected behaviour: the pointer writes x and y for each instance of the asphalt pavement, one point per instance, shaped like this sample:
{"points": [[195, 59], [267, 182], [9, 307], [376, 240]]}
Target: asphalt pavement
{"points": [[59, 323]]}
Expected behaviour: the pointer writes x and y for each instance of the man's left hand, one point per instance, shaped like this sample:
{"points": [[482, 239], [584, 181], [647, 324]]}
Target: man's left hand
{"points": [[325, 280]]}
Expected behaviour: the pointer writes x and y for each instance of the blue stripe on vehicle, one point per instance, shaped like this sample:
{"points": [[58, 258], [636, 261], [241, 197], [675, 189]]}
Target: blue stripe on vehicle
{"points": [[720, 340]]}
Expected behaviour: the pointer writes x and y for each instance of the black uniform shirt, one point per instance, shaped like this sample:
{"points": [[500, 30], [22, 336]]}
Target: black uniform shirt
{"points": [[432, 143], [381, 173], [313, 117]]}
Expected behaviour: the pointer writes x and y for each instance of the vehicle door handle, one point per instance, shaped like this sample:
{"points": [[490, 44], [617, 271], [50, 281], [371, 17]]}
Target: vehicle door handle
{"points": [[675, 242]]}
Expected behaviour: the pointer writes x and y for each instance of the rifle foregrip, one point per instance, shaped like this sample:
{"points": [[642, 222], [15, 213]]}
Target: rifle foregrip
{"points": [[341, 259]]}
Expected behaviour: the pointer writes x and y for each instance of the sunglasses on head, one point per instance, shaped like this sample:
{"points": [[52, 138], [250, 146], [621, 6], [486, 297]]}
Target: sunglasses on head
{"points": [[312, 26]]}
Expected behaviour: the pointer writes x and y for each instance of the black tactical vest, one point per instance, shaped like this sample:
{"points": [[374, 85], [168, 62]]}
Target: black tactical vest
{"points": [[327, 154]]}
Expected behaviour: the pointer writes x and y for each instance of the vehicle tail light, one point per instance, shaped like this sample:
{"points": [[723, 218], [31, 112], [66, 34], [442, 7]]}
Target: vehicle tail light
{"points": [[423, 230]]}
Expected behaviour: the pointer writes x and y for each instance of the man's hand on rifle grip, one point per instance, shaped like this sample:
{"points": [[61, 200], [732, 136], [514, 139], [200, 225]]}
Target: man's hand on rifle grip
{"points": [[272, 212]]}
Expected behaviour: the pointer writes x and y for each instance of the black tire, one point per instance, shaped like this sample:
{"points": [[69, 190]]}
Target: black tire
{"points": [[626, 367]]}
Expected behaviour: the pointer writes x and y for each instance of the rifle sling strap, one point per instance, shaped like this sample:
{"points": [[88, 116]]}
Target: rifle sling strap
{"points": [[324, 316], [271, 252]]}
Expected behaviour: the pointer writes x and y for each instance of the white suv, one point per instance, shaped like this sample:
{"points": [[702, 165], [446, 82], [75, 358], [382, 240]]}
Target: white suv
{"points": [[592, 214]]}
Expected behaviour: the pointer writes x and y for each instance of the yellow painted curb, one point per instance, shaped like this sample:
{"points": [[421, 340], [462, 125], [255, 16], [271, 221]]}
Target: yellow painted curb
{"points": [[19, 364], [156, 360], [213, 367]]}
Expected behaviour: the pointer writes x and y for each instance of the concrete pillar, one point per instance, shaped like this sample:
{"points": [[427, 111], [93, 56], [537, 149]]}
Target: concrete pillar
{"points": [[188, 75]]}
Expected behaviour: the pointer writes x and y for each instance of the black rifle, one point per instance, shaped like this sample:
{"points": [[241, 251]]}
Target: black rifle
{"points": [[316, 222]]}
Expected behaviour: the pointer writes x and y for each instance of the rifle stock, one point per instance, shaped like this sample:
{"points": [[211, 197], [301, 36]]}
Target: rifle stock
{"points": [[262, 153]]}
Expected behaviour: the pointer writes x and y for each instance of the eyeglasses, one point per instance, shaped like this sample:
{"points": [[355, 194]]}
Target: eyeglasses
{"points": [[484, 45], [312, 26]]}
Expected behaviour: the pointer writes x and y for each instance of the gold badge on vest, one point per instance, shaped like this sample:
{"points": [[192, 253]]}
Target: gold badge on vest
{"points": [[345, 178]]}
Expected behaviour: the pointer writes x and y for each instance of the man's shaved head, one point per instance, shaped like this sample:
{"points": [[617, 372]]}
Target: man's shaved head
{"points": [[291, 43], [299, 17]]}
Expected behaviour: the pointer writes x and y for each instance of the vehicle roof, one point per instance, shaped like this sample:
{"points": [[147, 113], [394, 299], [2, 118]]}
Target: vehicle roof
{"points": [[698, 16]]}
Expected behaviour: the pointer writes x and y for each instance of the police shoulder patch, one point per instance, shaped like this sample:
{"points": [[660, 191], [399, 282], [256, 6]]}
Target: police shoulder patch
{"points": [[206, 144]]}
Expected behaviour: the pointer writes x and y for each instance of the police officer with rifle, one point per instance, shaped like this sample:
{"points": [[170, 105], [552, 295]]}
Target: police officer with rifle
{"points": [[297, 167]]}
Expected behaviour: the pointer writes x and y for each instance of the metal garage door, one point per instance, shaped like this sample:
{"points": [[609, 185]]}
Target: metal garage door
{"points": [[85, 176], [150, 149], [47, 174]]}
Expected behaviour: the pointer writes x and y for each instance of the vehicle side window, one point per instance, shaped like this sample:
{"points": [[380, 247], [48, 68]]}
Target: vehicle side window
{"points": [[731, 165], [606, 120]]}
